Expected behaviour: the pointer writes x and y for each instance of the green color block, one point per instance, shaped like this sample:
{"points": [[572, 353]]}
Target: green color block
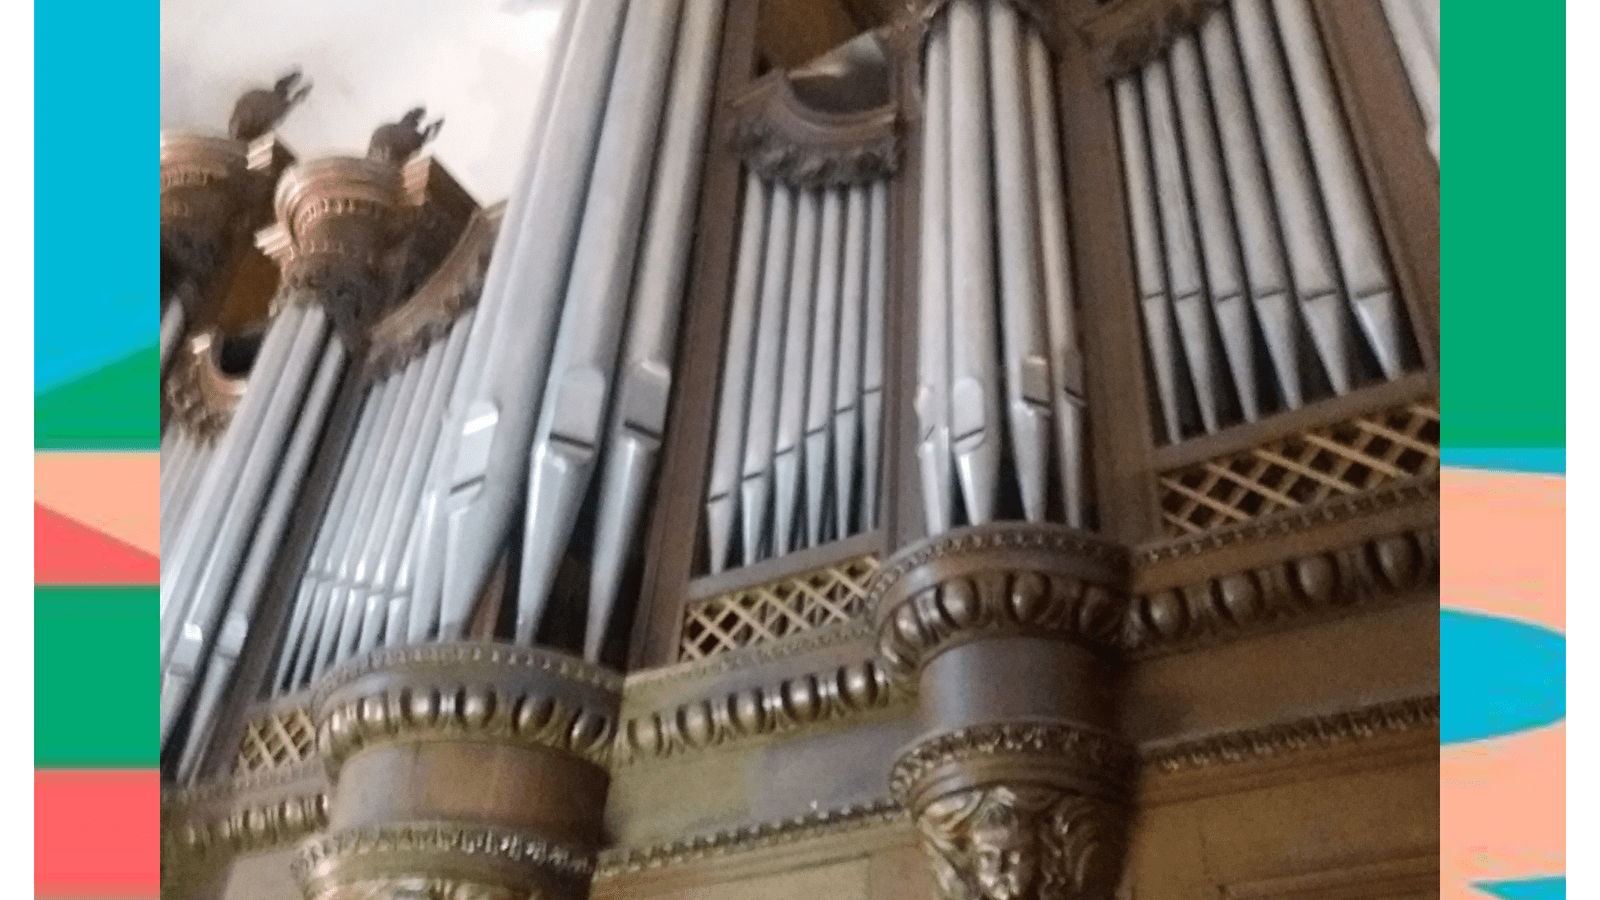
{"points": [[115, 408], [92, 706], [1503, 296]]}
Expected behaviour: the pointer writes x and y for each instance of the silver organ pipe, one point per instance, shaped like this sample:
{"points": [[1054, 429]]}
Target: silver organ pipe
{"points": [[1311, 263], [206, 603], [171, 332], [1249, 212], [933, 314], [305, 628], [796, 356], [492, 428], [824, 366], [974, 370], [374, 605], [1271, 294], [375, 479], [275, 516], [1415, 24], [1022, 314], [572, 414], [722, 495], [872, 352], [755, 486], [1356, 243], [187, 553], [1066, 360], [995, 314], [846, 427], [400, 522]]}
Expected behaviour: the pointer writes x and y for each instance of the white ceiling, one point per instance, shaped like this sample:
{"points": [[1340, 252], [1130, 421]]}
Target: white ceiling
{"points": [[478, 63]]}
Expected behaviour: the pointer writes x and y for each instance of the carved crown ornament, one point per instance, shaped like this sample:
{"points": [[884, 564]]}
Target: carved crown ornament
{"points": [[202, 396], [213, 190], [783, 139], [357, 235]]}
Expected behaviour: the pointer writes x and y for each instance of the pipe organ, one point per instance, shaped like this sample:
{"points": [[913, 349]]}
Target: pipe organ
{"points": [[921, 445]]}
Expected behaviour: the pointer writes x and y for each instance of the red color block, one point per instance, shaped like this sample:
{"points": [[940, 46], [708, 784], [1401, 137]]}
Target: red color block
{"points": [[96, 833], [66, 551]]}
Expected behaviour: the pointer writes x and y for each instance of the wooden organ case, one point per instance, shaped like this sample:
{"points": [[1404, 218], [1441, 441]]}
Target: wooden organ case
{"points": [[952, 448]]}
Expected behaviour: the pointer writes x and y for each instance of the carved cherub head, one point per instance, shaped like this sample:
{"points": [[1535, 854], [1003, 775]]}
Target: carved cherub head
{"points": [[1004, 848], [1022, 843]]}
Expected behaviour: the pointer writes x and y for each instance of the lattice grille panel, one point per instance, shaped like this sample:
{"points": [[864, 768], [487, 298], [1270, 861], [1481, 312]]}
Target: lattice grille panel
{"points": [[776, 610], [1302, 470], [277, 739]]}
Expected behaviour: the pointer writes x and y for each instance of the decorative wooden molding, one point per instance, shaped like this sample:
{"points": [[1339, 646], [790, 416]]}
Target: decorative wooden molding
{"points": [[787, 705], [627, 860], [1093, 756], [1221, 607], [858, 630], [783, 139], [454, 692], [1424, 490], [1297, 736], [453, 289], [248, 828], [502, 656], [202, 397], [991, 580], [1130, 33], [459, 711], [448, 860]]}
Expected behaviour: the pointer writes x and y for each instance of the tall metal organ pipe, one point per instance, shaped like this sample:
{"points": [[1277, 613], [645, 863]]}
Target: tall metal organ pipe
{"points": [[999, 395]]}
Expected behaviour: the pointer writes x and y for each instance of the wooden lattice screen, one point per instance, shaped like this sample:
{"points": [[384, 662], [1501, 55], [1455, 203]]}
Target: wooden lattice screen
{"points": [[279, 738], [1303, 469], [770, 612]]}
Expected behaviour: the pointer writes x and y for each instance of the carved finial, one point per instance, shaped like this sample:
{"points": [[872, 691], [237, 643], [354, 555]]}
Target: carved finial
{"points": [[260, 110], [396, 142]]}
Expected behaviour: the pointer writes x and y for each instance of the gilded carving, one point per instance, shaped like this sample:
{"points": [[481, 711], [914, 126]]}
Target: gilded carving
{"points": [[1021, 843]]}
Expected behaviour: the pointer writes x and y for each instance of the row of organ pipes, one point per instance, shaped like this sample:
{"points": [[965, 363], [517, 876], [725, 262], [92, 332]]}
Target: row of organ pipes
{"points": [[1260, 268], [999, 398], [800, 407], [540, 411]]}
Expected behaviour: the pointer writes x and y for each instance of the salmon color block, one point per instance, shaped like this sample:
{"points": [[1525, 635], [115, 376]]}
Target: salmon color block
{"points": [[115, 493], [69, 552], [96, 833], [1482, 571], [1502, 811]]}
